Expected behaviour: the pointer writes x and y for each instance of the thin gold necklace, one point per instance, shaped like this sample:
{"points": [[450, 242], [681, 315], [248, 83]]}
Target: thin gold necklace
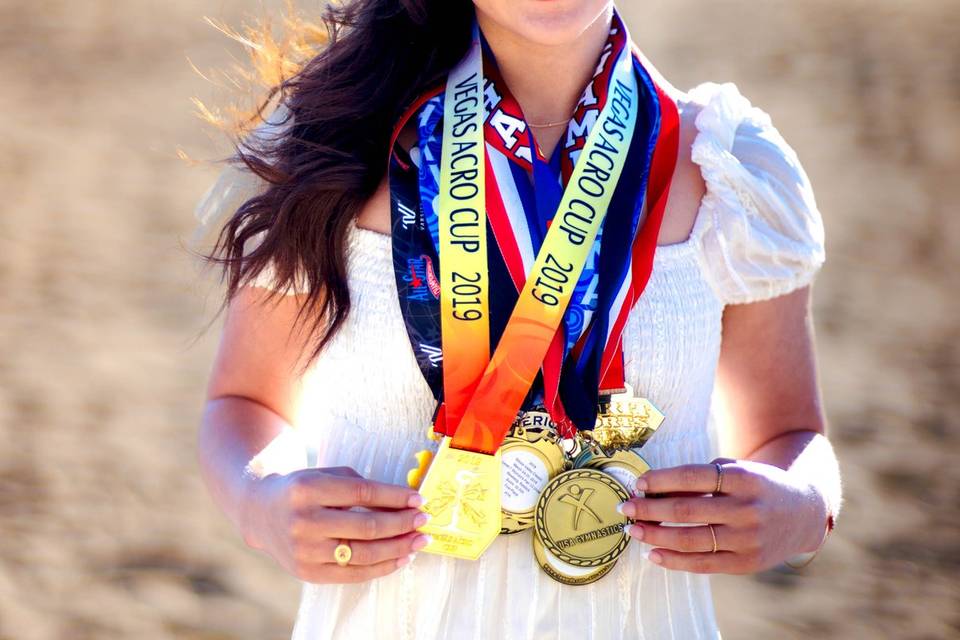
{"points": [[547, 125]]}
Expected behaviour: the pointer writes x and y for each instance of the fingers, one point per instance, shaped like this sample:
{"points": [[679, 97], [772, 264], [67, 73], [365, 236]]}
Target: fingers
{"points": [[737, 542], [326, 573], [371, 553], [317, 487], [695, 478], [699, 510], [364, 525], [686, 539], [364, 553], [347, 472], [720, 562]]}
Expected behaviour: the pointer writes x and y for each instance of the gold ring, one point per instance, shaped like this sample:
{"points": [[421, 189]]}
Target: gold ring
{"points": [[713, 534], [342, 554], [719, 476]]}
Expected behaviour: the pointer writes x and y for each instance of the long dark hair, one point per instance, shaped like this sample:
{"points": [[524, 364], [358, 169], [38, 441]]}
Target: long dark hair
{"points": [[343, 105]]}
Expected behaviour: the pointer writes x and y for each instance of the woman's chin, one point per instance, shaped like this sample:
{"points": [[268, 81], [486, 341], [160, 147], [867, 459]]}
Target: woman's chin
{"points": [[549, 23]]}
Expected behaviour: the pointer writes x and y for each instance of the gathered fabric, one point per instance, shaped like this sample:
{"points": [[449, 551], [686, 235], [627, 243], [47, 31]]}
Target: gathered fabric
{"points": [[758, 234]]}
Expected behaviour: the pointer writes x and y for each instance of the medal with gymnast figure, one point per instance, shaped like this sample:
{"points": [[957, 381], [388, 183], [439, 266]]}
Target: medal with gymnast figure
{"points": [[534, 452], [568, 489], [501, 466]]}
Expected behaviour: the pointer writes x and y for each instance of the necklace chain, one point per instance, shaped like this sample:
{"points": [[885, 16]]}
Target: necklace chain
{"points": [[546, 125]]}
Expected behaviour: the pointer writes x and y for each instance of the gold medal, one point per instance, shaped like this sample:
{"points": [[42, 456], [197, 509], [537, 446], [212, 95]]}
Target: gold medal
{"points": [[576, 518], [626, 466], [625, 421], [530, 458], [567, 573], [537, 420], [461, 498]]}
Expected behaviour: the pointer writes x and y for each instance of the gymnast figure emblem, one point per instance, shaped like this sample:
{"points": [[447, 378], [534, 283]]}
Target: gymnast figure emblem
{"points": [[577, 497]]}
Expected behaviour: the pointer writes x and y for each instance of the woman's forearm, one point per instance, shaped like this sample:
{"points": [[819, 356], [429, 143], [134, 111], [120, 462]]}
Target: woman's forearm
{"points": [[233, 432]]}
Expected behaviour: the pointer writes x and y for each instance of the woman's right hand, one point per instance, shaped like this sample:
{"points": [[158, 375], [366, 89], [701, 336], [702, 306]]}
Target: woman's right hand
{"points": [[300, 518]]}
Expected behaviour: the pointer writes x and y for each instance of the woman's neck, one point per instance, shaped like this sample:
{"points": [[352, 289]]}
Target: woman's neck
{"points": [[547, 80]]}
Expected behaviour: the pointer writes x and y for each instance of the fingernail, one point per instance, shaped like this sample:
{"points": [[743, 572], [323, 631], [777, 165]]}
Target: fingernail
{"points": [[420, 519], [634, 530], [415, 501], [404, 561], [420, 542], [641, 484], [656, 557], [625, 509]]}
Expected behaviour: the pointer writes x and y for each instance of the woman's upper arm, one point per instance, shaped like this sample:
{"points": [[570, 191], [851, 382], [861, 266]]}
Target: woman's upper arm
{"points": [[261, 354], [767, 375]]}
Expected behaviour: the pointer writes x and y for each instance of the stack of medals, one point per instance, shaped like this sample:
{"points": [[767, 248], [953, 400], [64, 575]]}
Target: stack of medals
{"points": [[568, 490], [497, 471]]}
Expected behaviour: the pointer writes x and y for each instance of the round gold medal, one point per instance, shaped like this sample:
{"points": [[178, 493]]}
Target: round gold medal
{"points": [[567, 573], [626, 466], [577, 520], [530, 458]]}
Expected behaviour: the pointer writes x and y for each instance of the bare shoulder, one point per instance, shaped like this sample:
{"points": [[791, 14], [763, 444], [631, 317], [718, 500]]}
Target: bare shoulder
{"points": [[687, 188]]}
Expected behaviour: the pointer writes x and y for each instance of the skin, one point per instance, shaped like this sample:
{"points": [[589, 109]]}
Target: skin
{"points": [[298, 517], [779, 482]]}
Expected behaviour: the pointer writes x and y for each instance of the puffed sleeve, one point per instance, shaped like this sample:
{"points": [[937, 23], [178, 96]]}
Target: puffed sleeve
{"points": [[759, 232], [234, 186]]}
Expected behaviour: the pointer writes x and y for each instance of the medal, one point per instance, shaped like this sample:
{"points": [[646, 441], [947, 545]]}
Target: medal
{"points": [[625, 465], [461, 498], [577, 520], [624, 424], [625, 421], [531, 456], [566, 573]]}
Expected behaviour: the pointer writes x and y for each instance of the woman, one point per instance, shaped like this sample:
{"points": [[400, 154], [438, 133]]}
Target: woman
{"points": [[315, 338]]}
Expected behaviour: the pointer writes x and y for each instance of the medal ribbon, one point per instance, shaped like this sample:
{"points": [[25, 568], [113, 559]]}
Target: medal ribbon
{"points": [[549, 287], [464, 280]]}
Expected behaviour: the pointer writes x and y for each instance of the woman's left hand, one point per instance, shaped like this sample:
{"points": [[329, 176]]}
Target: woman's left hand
{"points": [[762, 516]]}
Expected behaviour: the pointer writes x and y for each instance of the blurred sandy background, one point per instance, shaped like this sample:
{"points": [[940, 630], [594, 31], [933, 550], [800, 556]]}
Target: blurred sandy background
{"points": [[105, 529]]}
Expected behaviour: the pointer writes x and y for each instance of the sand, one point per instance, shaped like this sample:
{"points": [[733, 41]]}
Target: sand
{"points": [[105, 528]]}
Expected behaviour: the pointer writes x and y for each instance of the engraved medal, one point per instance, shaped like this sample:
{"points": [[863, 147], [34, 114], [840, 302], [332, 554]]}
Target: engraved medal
{"points": [[567, 573], [531, 456], [577, 520], [460, 496]]}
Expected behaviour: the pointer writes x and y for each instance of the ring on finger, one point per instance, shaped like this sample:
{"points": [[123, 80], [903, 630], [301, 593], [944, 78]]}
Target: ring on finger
{"points": [[713, 535], [343, 553], [719, 477]]}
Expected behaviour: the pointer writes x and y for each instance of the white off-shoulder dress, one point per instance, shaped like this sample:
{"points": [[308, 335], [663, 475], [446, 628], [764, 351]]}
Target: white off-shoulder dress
{"points": [[758, 235]]}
